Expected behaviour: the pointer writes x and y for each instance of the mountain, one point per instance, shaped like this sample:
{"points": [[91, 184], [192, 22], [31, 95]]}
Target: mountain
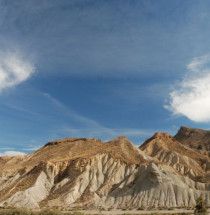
{"points": [[194, 138], [87, 173], [183, 159]]}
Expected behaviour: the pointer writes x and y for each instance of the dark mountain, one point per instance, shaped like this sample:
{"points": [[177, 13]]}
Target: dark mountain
{"points": [[194, 138]]}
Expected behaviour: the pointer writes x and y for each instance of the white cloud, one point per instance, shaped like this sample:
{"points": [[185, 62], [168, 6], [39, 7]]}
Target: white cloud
{"points": [[191, 97], [197, 64], [11, 153], [14, 69]]}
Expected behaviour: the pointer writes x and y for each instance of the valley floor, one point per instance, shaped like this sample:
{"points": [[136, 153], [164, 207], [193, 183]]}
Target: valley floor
{"points": [[131, 212], [97, 212]]}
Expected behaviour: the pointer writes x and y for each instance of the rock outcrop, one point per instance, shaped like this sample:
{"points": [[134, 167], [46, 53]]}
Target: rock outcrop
{"points": [[87, 173], [194, 138]]}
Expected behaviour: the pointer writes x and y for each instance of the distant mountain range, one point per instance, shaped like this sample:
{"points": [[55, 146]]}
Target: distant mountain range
{"points": [[164, 172]]}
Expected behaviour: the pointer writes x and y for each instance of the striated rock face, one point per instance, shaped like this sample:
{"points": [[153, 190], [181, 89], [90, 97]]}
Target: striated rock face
{"points": [[88, 173], [186, 161]]}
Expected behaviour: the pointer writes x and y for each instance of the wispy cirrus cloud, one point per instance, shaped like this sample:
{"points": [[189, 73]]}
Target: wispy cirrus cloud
{"points": [[69, 112], [191, 97], [14, 69], [91, 128], [34, 148]]}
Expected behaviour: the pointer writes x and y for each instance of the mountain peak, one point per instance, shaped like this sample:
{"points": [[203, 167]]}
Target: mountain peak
{"points": [[121, 138], [168, 150], [70, 140], [162, 136], [187, 131], [159, 136], [194, 138]]}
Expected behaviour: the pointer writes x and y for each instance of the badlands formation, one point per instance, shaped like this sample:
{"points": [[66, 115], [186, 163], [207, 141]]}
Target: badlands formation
{"points": [[164, 172]]}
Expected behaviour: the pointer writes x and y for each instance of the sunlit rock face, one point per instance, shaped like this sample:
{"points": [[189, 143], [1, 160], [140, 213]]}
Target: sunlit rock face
{"points": [[87, 173]]}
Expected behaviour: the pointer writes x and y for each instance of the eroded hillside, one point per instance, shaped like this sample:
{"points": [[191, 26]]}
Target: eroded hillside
{"points": [[87, 173]]}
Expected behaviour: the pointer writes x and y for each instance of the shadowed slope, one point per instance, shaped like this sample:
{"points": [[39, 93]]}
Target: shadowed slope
{"points": [[194, 138]]}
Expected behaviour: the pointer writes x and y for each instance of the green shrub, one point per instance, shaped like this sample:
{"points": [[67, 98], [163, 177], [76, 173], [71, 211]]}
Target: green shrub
{"points": [[200, 208], [50, 212], [141, 209], [77, 213], [170, 209], [17, 211]]}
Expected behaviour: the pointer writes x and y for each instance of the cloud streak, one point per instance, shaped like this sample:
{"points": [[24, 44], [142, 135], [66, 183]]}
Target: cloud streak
{"points": [[191, 97], [11, 153], [91, 128], [106, 133], [14, 69], [69, 112], [32, 148]]}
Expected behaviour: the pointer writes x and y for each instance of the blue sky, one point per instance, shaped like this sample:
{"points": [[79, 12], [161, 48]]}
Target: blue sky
{"points": [[101, 69]]}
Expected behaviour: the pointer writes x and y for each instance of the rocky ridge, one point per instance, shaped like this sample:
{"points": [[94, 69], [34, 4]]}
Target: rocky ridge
{"points": [[87, 173], [194, 138]]}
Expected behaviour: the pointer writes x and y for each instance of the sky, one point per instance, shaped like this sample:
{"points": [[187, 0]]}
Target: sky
{"points": [[101, 69]]}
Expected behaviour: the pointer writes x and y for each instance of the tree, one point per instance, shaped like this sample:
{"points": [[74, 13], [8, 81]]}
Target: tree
{"points": [[200, 207], [5, 205]]}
